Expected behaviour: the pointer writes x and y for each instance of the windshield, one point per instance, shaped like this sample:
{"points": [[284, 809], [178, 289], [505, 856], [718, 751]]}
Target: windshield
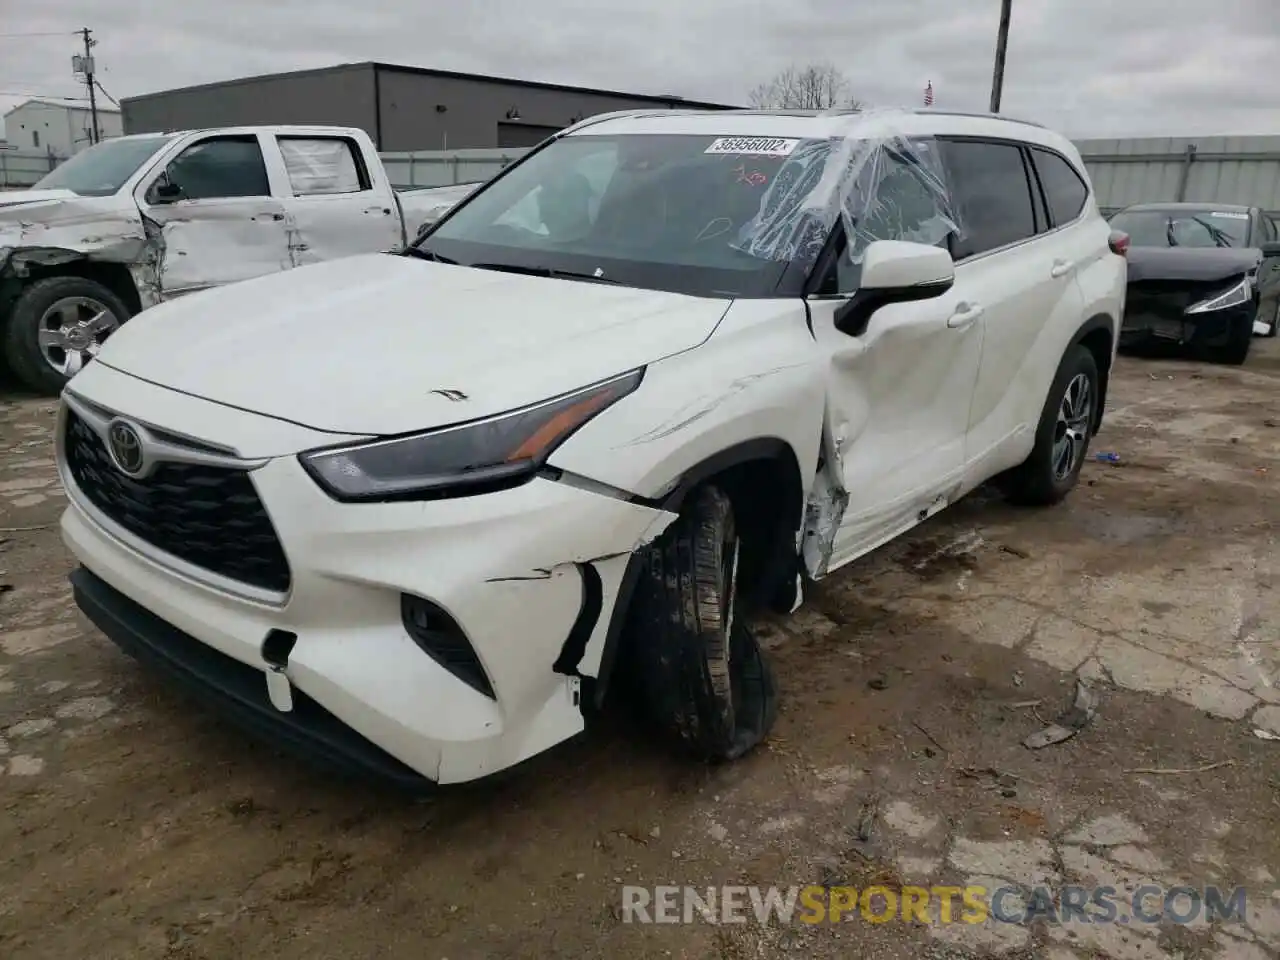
{"points": [[103, 169], [1184, 228], [647, 210]]}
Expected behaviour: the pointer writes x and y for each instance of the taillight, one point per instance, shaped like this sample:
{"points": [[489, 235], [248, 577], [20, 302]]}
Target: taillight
{"points": [[1119, 243]]}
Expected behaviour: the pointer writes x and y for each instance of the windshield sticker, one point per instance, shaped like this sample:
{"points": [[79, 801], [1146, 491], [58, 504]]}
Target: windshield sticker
{"points": [[753, 146], [1229, 216]]}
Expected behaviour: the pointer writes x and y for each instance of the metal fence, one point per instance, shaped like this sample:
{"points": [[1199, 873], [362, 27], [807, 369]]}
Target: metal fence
{"points": [[20, 169], [1242, 170]]}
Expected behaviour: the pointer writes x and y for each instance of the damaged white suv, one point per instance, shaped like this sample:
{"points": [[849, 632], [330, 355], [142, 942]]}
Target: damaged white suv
{"points": [[415, 513]]}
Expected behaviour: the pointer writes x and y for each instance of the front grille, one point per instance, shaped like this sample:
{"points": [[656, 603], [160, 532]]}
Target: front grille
{"points": [[208, 516]]}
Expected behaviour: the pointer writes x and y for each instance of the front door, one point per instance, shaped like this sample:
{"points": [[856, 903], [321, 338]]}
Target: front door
{"points": [[213, 216], [900, 391], [336, 205]]}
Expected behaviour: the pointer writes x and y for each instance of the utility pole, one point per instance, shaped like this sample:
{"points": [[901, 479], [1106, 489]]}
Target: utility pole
{"points": [[1002, 46], [84, 65]]}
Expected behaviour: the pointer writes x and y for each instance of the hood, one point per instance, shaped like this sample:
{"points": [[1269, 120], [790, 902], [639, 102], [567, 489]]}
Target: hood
{"points": [[108, 227], [1187, 263], [362, 345], [10, 198]]}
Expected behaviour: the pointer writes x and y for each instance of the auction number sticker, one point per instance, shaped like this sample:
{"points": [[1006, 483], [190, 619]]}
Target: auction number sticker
{"points": [[1228, 215], [753, 146]]}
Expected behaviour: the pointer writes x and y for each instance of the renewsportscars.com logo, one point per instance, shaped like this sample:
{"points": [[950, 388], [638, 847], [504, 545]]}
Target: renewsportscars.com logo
{"points": [[1147, 905]]}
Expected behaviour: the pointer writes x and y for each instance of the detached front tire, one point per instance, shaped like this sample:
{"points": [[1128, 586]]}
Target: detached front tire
{"points": [[703, 679], [1062, 435], [56, 326]]}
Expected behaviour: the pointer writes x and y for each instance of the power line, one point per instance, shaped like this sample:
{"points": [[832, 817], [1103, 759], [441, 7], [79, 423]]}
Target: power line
{"points": [[39, 96], [15, 36], [103, 90]]}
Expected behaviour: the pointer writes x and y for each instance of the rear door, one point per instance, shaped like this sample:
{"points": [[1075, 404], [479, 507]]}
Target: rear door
{"points": [[339, 203], [1020, 270], [225, 225]]}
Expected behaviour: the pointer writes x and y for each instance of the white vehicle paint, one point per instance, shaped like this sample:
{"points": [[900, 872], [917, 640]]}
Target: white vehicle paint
{"points": [[421, 560], [257, 200]]}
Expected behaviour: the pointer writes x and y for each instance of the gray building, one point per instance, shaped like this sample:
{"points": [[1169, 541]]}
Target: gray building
{"points": [[402, 108]]}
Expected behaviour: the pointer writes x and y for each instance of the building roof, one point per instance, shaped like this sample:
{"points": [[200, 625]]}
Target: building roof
{"points": [[444, 74], [66, 105]]}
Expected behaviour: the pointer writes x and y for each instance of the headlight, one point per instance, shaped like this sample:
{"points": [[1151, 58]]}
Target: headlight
{"points": [[1238, 295], [468, 458]]}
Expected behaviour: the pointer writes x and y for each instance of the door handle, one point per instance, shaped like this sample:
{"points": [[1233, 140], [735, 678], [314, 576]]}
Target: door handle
{"points": [[1061, 268], [964, 315]]}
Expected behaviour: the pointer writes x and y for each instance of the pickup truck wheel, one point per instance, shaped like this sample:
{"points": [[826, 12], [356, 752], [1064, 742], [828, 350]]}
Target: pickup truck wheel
{"points": [[701, 675], [1062, 436], [56, 326]]}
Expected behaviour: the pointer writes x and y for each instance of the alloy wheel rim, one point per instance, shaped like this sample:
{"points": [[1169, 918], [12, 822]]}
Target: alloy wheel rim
{"points": [[1071, 430], [72, 331]]}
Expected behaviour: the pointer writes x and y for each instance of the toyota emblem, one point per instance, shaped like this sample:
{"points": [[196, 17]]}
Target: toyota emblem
{"points": [[126, 448]]}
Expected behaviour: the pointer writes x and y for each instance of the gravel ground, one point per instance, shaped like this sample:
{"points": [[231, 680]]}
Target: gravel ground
{"points": [[137, 826]]}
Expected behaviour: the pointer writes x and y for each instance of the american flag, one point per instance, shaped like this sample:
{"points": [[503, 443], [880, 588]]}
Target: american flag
{"points": [[928, 94]]}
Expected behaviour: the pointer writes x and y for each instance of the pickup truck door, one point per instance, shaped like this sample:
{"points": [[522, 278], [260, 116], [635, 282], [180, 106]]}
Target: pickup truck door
{"points": [[337, 197], [220, 222]]}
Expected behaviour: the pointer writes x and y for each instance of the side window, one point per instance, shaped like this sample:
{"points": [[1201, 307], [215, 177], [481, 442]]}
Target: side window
{"points": [[990, 191], [322, 166], [220, 167], [1064, 191], [903, 207]]}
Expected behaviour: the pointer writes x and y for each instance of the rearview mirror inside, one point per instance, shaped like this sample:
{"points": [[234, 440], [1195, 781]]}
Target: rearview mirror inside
{"points": [[895, 271]]}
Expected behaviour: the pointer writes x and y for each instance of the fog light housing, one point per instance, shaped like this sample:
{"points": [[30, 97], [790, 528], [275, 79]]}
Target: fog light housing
{"points": [[440, 637]]}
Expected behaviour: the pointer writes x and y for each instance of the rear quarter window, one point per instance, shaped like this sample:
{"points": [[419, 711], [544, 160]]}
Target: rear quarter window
{"points": [[1065, 192]]}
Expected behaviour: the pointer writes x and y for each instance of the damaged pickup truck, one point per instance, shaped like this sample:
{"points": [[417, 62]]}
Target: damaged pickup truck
{"points": [[141, 219], [418, 514]]}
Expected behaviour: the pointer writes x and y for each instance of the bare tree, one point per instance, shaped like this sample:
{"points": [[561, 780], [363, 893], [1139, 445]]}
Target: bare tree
{"points": [[818, 86]]}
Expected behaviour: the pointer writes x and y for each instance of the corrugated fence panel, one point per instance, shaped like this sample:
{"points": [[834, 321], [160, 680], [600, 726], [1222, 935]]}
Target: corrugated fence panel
{"points": [[19, 169], [442, 168], [1243, 170]]}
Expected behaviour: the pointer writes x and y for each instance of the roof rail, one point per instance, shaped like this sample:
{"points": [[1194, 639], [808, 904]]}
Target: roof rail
{"points": [[976, 116]]}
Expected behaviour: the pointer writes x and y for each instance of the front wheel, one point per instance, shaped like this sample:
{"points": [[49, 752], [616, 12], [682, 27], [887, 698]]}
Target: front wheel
{"points": [[56, 326], [702, 677], [1062, 435]]}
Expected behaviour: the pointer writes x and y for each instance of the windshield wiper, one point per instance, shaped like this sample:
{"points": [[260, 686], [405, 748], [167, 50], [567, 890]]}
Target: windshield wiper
{"points": [[422, 254], [543, 272]]}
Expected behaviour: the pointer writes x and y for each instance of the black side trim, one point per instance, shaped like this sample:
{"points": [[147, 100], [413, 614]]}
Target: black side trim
{"points": [[618, 622], [575, 645], [762, 448], [236, 690], [1098, 322]]}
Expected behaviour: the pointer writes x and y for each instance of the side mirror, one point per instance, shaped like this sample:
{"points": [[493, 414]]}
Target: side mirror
{"points": [[166, 191], [895, 271], [1270, 250]]}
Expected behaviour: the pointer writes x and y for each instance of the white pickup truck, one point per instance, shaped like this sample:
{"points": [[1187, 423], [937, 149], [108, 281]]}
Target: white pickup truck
{"points": [[141, 219]]}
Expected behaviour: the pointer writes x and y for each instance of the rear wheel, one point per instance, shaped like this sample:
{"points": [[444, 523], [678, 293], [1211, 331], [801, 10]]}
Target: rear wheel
{"points": [[1062, 436], [702, 677]]}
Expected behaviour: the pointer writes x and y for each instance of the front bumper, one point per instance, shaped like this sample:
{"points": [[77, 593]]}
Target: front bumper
{"points": [[507, 567], [1211, 330]]}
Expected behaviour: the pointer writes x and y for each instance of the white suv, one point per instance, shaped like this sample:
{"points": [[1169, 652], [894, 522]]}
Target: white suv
{"points": [[415, 513]]}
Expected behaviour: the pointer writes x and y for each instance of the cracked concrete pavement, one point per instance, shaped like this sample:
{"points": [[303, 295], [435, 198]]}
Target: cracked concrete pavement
{"points": [[138, 826]]}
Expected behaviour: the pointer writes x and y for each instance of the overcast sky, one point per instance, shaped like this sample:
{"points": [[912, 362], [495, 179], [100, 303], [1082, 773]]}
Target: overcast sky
{"points": [[1087, 67]]}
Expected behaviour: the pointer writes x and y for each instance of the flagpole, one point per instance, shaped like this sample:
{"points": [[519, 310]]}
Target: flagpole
{"points": [[1002, 46]]}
